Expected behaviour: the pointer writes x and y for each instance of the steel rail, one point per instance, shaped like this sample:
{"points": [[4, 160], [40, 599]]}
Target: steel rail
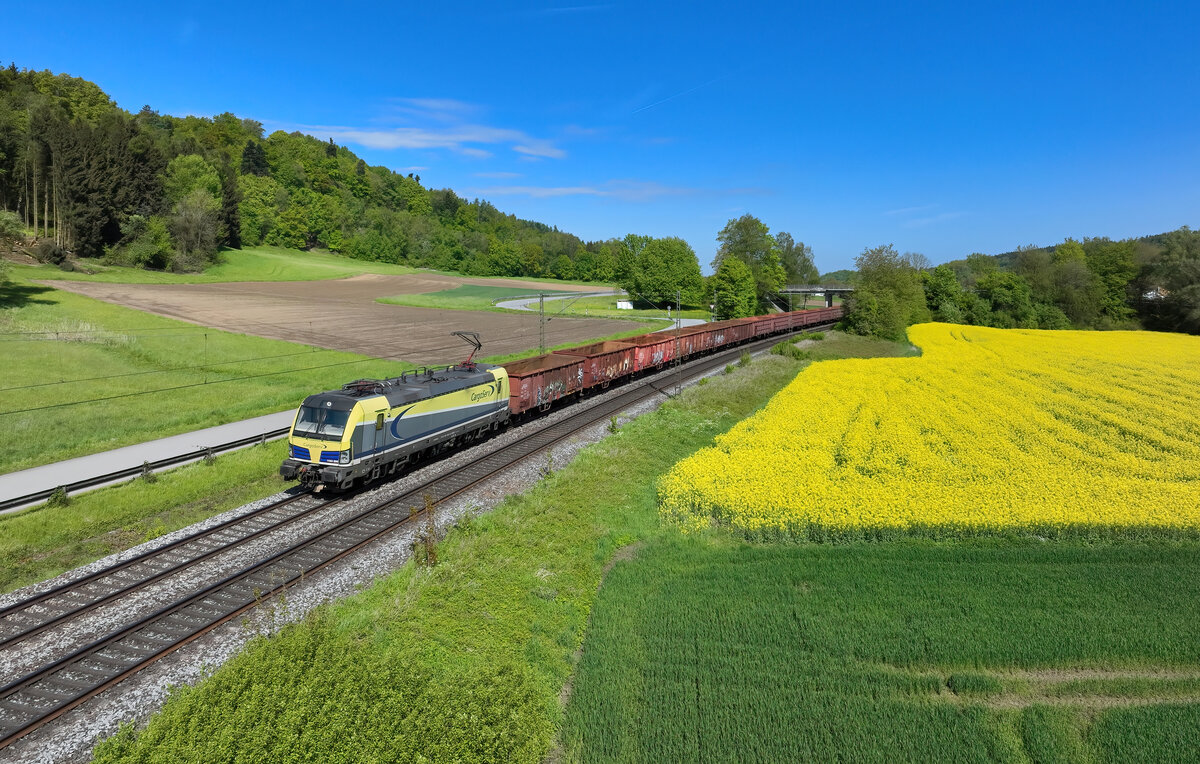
{"points": [[19, 620], [44, 694]]}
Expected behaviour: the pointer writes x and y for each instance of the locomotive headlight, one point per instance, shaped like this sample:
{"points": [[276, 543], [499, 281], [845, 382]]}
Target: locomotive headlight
{"points": [[344, 457]]}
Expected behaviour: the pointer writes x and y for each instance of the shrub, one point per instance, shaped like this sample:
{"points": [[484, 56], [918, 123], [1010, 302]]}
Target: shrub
{"points": [[49, 252], [11, 228], [788, 349]]}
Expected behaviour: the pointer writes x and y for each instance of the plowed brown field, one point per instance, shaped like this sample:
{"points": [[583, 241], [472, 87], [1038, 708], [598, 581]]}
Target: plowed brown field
{"points": [[342, 314]]}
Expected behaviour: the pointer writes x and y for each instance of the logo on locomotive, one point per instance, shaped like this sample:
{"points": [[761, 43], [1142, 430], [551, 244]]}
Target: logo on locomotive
{"points": [[487, 392]]}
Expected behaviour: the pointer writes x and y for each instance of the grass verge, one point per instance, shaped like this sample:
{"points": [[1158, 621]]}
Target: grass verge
{"points": [[43, 542], [465, 660], [461, 297]]}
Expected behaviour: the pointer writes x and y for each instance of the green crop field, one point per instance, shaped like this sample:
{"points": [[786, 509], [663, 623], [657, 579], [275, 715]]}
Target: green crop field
{"points": [[463, 297], [706, 649]]}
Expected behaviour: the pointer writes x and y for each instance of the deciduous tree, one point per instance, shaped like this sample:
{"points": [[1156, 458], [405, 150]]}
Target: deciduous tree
{"points": [[733, 292], [665, 268]]}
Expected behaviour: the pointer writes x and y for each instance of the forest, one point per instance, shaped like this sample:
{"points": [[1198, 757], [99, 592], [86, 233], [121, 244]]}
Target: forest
{"points": [[157, 191]]}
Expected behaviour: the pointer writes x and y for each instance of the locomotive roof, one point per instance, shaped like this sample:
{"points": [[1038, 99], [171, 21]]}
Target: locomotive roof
{"points": [[407, 388]]}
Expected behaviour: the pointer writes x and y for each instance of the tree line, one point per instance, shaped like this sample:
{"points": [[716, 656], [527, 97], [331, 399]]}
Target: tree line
{"points": [[1097, 283]]}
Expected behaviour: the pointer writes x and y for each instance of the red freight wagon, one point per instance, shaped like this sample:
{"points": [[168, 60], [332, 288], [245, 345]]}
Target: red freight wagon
{"points": [[731, 331], [605, 361], [821, 316], [652, 350], [537, 382], [763, 325], [693, 339], [785, 322], [799, 319]]}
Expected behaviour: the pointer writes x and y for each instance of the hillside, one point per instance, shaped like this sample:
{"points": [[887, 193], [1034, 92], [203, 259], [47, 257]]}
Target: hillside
{"points": [[166, 192]]}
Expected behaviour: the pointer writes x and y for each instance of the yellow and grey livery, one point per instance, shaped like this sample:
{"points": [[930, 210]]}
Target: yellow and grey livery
{"points": [[372, 427]]}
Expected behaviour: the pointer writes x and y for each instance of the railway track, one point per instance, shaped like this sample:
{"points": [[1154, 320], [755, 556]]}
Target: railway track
{"points": [[72, 599], [42, 695]]}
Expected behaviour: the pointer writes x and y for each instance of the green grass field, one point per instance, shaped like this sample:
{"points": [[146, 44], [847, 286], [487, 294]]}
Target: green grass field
{"points": [[837, 345], [250, 264], [462, 297], [80, 375], [470, 297], [607, 307], [706, 649]]}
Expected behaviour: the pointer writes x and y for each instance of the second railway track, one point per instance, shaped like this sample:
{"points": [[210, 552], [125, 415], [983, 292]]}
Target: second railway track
{"points": [[42, 695]]}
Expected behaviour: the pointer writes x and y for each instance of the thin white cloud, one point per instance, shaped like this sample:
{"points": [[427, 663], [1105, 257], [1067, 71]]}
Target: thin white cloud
{"points": [[410, 110], [933, 219], [444, 105], [912, 210], [437, 124], [540, 149], [542, 192], [621, 190]]}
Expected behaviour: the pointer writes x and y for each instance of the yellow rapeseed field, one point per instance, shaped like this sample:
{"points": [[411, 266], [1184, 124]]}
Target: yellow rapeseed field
{"points": [[990, 429]]}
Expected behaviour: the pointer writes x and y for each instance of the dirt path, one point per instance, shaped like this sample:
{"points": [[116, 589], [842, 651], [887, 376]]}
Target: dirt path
{"points": [[342, 314]]}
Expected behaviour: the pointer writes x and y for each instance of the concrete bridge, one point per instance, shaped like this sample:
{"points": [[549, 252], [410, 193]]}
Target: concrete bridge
{"points": [[828, 291]]}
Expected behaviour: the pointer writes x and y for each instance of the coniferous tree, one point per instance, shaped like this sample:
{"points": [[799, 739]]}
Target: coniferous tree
{"points": [[231, 199], [254, 160]]}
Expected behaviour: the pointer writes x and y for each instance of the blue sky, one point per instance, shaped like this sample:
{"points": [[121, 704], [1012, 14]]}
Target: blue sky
{"points": [[944, 128]]}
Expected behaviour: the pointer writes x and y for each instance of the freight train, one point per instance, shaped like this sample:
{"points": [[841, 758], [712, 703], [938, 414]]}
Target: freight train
{"points": [[371, 428]]}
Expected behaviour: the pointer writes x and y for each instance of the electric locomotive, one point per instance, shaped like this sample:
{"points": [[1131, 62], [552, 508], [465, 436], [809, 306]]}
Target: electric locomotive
{"points": [[373, 427]]}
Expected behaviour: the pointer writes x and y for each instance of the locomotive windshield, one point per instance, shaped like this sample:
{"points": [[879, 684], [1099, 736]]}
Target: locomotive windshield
{"points": [[320, 423]]}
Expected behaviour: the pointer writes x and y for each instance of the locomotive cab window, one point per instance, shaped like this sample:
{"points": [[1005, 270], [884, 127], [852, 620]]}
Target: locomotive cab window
{"points": [[320, 423], [379, 421]]}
